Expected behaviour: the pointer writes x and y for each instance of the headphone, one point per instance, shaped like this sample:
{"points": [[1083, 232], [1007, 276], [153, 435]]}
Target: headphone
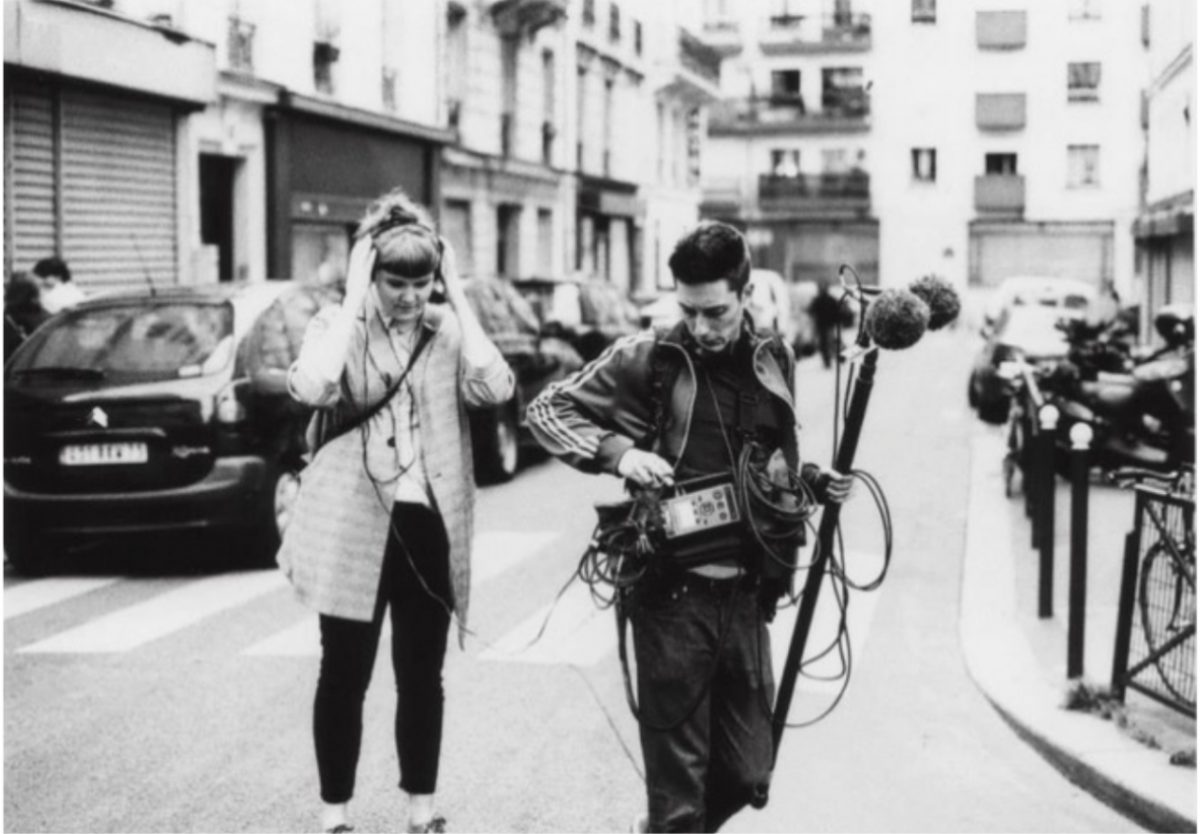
{"points": [[399, 219]]}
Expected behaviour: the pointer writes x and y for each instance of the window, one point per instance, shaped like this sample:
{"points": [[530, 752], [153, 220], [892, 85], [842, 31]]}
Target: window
{"points": [[833, 161], [241, 45], [1083, 10], [924, 164], [614, 23], [637, 37], [1000, 164], [785, 162], [785, 85], [388, 84], [325, 56], [589, 12], [545, 225], [1083, 166], [783, 16], [1083, 81], [924, 11], [842, 91], [548, 106]]}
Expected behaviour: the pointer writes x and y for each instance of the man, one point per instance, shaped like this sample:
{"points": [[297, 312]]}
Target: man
{"points": [[58, 293], [660, 408], [826, 313]]}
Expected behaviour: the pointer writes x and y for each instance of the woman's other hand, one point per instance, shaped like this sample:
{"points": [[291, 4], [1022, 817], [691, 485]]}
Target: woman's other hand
{"points": [[359, 272], [455, 294]]}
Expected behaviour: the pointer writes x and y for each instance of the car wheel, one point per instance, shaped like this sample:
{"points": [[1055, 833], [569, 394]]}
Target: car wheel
{"points": [[994, 412], [277, 514], [497, 451]]}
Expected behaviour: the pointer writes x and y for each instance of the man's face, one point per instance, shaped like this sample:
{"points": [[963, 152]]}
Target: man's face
{"points": [[402, 298], [712, 313], [48, 282]]}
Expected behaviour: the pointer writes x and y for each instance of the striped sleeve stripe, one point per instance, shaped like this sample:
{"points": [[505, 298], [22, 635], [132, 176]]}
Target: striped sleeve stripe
{"points": [[549, 422]]}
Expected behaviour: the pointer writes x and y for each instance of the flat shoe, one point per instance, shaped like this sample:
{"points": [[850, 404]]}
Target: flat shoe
{"points": [[340, 828], [437, 825]]}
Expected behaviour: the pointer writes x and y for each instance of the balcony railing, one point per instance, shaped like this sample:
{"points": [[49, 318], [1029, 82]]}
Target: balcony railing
{"points": [[792, 34], [1000, 111], [849, 191], [699, 59], [1000, 193], [1000, 30], [722, 36], [788, 114]]}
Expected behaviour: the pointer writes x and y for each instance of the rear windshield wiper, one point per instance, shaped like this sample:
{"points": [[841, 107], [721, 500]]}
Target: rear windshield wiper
{"points": [[61, 372]]}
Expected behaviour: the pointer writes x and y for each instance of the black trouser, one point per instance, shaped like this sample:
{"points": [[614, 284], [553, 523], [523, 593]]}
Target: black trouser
{"points": [[420, 623], [703, 642]]}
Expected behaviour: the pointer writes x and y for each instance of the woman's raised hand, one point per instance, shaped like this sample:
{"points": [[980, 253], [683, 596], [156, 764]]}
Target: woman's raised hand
{"points": [[359, 271], [450, 276]]}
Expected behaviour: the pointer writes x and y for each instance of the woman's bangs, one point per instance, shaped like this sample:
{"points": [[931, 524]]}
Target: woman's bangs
{"points": [[407, 254]]}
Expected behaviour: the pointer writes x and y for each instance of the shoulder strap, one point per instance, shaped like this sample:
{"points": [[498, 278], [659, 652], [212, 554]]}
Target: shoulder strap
{"points": [[363, 417]]}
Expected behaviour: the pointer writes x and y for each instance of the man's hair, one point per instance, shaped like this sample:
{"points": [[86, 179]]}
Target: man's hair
{"points": [[713, 251], [52, 268]]}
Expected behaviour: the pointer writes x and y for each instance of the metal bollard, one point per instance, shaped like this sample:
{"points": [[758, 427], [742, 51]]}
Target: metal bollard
{"points": [[1081, 442], [1044, 513]]}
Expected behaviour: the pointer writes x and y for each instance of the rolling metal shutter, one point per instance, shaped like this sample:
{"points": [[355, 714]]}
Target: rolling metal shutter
{"points": [[1061, 250], [29, 222], [119, 201]]}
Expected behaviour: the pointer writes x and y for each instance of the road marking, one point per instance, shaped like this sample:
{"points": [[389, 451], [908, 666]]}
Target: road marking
{"points": [[139, 624], [40, 593], [302, 640], [859, 613], [498, 551], [577, 634], [494, 553]]}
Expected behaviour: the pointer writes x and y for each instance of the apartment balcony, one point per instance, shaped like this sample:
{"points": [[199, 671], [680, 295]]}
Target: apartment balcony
{"points": [[1000, 30], [695, 74], [825, 194], [514, 18], [722, 197], [789, 115], [722, 36], [1000, 193], [1000, 111], [813, 34]]}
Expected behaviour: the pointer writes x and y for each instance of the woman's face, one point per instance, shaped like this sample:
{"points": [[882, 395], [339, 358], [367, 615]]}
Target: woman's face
{"points": [[403, 299]]}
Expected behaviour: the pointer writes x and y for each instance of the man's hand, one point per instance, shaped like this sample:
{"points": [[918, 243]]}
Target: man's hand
{"points": [[838, 487], [645, 468], [359, 272]]}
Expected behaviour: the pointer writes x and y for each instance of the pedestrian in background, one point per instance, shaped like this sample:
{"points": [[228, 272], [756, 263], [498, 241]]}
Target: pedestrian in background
{"points": [[58, 291], [826, 312], [23, 311], [384, 516]]}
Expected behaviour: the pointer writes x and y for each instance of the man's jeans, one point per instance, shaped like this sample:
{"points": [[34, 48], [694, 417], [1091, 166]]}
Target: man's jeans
{"points": [[703, 769]]}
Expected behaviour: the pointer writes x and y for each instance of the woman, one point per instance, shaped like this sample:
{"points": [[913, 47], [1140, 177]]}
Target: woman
{"points": [[384, 515]]}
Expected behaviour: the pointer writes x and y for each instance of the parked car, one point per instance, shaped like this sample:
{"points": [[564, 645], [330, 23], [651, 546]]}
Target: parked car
{"points": [[589, 314], [500, 437], [1027, 332], [1063, 294], [131, 414], [661, 311]]}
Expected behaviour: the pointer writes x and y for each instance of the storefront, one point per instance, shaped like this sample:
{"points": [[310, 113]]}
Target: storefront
{"points": [[608, 231], [91, 145], [1078, 250], [325, 164]]}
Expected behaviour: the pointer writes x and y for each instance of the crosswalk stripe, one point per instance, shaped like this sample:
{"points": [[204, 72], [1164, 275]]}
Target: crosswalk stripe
{"points": [[498, 551], [302, 639], [494, 553], [40, 593], [577, 634], [139, 624]]}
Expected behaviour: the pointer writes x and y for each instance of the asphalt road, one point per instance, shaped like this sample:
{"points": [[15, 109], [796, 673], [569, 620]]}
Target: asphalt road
{"points": [[182, 702]]}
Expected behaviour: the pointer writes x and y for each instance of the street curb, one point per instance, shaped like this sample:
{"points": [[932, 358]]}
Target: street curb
{"points": [[1091, 753]]}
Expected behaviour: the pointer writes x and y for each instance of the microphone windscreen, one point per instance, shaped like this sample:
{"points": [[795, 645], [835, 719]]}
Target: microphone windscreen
{"points": [[941, 297], [896, 319]]}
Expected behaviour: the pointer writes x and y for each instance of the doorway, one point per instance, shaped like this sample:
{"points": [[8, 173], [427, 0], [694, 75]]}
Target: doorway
{"points": [[216, 209]]}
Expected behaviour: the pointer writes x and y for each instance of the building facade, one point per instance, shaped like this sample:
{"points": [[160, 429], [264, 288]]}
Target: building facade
{"points": [[1164, 227], [973, 140]]}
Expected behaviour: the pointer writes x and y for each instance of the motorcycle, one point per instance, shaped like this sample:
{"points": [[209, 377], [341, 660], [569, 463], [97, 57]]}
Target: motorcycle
{"points": [[1140, 409]]}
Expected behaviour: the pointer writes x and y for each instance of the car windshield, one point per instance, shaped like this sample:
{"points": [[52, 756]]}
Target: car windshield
{"points": [[141, 342], [1034, 330]]}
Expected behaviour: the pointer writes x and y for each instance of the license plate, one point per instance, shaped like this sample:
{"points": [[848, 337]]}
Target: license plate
{"points": [[103, 454]]}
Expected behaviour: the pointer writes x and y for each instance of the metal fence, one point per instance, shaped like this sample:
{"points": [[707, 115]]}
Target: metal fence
{"points": [[1155, 650]]}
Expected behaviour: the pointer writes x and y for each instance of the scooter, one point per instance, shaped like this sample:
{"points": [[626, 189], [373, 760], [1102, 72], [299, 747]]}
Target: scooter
{"points": [[1142, 415]]}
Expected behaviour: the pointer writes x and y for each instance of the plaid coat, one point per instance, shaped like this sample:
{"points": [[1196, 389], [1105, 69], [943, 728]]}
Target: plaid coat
{"points": [[332, 551]]}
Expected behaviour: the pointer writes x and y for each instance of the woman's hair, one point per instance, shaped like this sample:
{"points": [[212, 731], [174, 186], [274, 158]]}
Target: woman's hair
{"points": [[403, 234]]}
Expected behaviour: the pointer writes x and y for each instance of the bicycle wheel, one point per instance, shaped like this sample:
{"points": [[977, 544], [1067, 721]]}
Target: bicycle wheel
{"points": [[1167, 605]]}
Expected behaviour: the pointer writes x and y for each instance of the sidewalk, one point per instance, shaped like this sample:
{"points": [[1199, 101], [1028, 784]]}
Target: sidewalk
{"points": [[1019, 660]]}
